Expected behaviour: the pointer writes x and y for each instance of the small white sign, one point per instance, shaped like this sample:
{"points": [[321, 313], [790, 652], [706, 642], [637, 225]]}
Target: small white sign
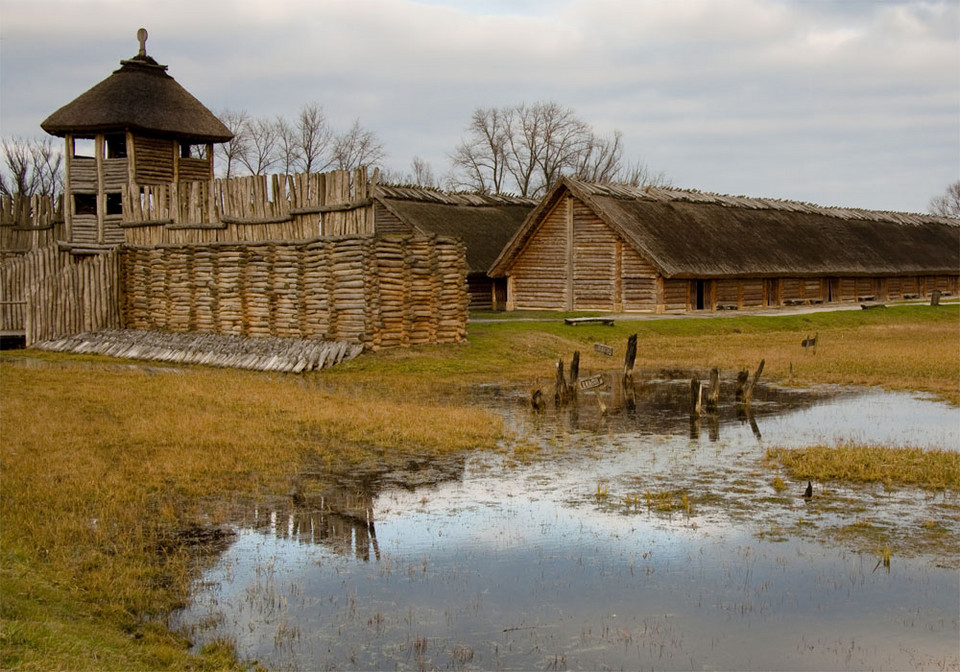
{"points": [[603, 349], [591, 382]]}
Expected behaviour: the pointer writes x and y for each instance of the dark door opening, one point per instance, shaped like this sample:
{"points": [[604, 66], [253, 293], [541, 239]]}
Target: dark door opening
{"points": [[701, 290], [833, 289]]}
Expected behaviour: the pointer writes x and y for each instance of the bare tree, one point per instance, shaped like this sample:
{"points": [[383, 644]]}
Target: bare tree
{"points": [[479, 161], [356, 147], [31, 167], [230, 153], [600, 160], [314, 139], [421, 174], [262, 153], [528, 148], [639, 174], [948, 203], [288, 152]]}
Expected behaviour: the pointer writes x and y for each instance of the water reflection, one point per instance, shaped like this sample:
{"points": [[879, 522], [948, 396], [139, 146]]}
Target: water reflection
{"points": [[488, 562]]}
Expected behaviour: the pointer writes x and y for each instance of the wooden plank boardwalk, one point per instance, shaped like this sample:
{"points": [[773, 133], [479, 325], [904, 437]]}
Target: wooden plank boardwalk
{"points": [[288, 355]]}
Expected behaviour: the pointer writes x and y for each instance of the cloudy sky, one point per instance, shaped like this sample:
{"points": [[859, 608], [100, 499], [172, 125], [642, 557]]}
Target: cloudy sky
{"points": [[836, 102]]}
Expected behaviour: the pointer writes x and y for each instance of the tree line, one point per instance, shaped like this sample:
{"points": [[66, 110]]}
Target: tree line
{"points": [[520, 149]]}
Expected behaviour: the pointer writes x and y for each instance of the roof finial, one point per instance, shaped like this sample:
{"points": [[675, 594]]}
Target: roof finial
{"points": [[142, 37]]}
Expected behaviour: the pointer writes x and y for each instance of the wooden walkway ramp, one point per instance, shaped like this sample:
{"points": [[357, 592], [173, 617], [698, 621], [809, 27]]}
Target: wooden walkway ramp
{"points": [[289, 355]]}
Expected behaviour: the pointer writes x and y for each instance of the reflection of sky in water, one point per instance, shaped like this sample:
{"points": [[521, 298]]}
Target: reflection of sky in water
{"points": [[522, 567], [884, 418]]}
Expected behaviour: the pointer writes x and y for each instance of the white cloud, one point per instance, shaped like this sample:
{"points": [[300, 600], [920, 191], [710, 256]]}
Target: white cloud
{"points": [[773, 98]]}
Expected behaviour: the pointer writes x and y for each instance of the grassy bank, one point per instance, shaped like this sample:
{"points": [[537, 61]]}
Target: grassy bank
{"points": [[105, 464]]}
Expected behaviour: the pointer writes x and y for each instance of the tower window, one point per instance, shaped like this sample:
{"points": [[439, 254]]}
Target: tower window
{"points": [[116, 146], [84, 204], [83, 147], [114, 203]]}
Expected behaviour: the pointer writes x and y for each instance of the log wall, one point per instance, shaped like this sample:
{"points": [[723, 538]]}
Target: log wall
{"points": [[595, 261], [639, 284], [381, 292], [539, 274]]}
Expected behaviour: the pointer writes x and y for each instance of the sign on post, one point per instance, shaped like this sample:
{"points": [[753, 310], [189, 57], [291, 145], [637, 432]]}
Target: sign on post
{"points": [[603, 349], [591, 383]]}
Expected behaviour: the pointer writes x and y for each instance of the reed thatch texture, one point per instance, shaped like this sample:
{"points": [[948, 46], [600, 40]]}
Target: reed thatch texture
{"points": [[140, 96], [285, 355]]}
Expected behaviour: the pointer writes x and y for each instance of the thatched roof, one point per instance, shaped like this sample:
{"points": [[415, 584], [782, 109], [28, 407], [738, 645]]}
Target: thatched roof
{"points": [[689, 234], [139, 97], [485, 223]]}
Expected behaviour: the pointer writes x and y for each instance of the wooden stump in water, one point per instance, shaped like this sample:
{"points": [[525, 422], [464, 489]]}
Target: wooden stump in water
{"points": [[712, 400], [574, 374], [560, 391], [696, 397], [630, 358], [537, 401], [745, 384]]}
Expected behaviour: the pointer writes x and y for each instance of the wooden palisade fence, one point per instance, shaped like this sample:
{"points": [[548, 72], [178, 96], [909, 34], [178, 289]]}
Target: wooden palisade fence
{"points": [[48, 292], [28, 223], [251, 209]]}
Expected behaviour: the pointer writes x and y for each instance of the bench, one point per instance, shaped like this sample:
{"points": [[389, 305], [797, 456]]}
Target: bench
{"points": [[726, 306], [575, 321]]}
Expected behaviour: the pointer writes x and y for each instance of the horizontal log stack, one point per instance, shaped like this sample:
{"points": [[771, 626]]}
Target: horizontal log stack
{"points": [[378, 292]]}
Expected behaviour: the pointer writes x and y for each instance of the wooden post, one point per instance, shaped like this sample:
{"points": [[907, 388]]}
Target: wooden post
{"points": [[696, 397], [935, 297], [713, 393], [574, 373], [630, 359], [745, 385], [560, 386]]}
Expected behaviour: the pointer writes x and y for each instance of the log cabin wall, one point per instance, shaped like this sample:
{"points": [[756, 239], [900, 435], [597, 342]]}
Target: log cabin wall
{"points": [[381, 292], [596, 259], [538, 278], [676, 295], [638, 283], [154, 160]]}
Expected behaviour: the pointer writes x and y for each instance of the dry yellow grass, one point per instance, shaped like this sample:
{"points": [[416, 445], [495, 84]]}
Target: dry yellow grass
{"points": [[856, 463]]}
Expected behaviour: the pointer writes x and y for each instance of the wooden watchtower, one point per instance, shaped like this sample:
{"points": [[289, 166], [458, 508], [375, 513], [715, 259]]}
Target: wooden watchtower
{"points": [[137, 127]]}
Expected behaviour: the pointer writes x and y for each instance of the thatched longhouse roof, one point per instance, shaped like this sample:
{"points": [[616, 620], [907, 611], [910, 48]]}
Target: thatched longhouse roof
{"points": [[689, 234], [139, 97], [485, 223]]}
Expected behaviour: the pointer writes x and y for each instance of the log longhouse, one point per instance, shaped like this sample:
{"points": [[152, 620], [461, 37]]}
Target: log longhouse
{"points": [[624, 249]]}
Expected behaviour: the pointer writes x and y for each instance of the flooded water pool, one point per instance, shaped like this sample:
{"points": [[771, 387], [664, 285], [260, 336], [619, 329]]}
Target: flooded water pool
{"points": [[638, 539]]}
